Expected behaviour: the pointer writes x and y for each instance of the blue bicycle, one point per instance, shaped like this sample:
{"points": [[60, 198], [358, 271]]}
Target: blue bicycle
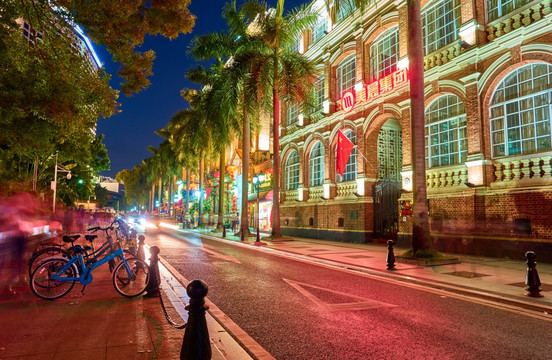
{"points": [[56, 276]]}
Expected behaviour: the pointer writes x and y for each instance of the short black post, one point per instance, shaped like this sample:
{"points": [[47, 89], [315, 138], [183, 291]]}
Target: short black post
{"points": [[223, 230], [140, 254], [242, 234], [154, 281], [532, 280], [390, 256], [196, 344]]}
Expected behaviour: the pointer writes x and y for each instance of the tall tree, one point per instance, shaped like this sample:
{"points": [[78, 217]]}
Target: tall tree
{"points": [[280, 68]]}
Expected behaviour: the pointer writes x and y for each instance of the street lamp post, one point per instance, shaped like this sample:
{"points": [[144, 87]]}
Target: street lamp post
{"points": [[54, 184], [257, 180]]}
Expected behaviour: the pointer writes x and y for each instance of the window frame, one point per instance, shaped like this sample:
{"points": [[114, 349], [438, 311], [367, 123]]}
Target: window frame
{"points": [[435, 41], [292, 171], [341, 71], [377, 69], [445, 132], [317, 164], [505, 111]]}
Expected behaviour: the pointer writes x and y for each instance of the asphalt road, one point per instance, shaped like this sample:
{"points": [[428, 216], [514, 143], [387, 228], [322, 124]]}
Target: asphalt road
{"points": [[298, 310]]}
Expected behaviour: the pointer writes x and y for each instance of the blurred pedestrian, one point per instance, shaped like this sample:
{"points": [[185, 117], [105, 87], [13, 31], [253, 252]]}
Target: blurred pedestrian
{"points": [[69, 221]]}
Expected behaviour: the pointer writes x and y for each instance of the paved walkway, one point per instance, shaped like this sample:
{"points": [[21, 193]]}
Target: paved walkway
{"points": [[104, 325]]}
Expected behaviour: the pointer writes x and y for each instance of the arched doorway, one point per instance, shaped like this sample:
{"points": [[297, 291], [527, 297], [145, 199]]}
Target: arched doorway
{"points": [[387, 191]]}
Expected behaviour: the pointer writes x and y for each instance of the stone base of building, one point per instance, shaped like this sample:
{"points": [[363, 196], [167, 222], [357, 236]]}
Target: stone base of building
{"points": [[510, 248], [357, 237]]}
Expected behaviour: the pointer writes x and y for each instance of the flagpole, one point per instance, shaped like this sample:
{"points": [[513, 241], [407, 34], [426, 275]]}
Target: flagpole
{"points": [[360, 152]]}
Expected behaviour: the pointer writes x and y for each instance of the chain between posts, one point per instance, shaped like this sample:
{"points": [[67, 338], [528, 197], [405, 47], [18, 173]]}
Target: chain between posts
{"points": [[167, 316]]}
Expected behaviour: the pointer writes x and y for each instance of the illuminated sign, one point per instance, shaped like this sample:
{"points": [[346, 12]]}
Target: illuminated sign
{"points": [[373, 90]]}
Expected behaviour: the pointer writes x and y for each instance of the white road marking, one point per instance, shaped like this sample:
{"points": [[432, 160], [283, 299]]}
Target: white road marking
{"points": [[363, 304]]}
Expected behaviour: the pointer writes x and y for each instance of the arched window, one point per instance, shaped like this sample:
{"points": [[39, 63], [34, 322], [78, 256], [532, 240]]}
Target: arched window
{"points": [[316, 165], [520, 111], [499, 8], [440, 23], [384, 53], [445, 128], [351, 167], [346, 74], [292, 171]]}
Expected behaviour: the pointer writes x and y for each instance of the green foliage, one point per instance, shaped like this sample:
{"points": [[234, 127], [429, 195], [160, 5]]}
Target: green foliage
{"points": [[421, 254]]}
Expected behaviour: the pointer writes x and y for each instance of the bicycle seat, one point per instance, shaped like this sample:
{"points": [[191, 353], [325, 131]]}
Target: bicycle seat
{"points": [[90, 237], [70, 238], [87, 248]]}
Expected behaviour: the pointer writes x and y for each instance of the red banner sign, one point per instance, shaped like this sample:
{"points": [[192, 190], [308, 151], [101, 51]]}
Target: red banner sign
{"points": [[373, 90]]}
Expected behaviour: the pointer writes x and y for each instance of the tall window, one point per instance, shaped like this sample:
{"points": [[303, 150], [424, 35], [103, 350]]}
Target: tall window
{"points": [[319, 29], [292, 114], [440, 23], [316, 165], [350, 172], [520, 111], [384, 54], [292, 171], [346, 8], [499, 8], [346, 74], [445, 132], [319, 93]]}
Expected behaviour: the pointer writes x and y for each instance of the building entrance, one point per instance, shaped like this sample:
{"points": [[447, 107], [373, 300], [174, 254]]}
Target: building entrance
{"points": [[388, 189]]}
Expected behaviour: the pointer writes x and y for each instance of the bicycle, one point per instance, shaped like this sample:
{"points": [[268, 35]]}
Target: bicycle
{"points": [[56, 276], [52, 249]]}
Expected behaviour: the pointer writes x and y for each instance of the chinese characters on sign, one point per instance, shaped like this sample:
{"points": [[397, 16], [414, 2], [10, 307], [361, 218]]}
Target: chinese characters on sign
{"points": [[374, 89]]}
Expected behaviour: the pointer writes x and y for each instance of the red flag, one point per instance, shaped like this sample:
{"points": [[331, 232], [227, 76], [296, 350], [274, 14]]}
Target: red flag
{"points": [[344, 148]]}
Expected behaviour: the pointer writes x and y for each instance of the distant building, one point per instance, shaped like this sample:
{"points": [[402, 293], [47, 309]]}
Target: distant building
{"points": [[111, 185]]}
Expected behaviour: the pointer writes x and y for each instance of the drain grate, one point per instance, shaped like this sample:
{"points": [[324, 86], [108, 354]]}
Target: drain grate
{"points": [[544, 287], [466, 274]]}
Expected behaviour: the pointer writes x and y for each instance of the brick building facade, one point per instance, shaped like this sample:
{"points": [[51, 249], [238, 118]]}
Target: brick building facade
{"points": [[488, 97]]}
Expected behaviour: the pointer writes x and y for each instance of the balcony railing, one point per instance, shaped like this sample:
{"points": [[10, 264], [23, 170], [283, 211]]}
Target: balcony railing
{"points": [[523, 18], [316, 192], [447, 177], [291, 195], [442, 56], [528, 168], [346, 189]]}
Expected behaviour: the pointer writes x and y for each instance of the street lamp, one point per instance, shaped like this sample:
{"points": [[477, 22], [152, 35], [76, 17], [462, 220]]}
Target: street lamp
{"points": [[257, 180], [54, 183]]}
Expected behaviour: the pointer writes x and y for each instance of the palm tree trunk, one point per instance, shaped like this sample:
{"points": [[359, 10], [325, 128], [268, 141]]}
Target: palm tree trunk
{"points": [[152, 204], [187, 207], [276, 231], [200, 210], [159, 193], [420, 230], [245, 174], [220, 222]]}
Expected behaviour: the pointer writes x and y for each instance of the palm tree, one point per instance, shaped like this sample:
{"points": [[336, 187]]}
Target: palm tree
{"points": [[280, 71], [235, 102]]}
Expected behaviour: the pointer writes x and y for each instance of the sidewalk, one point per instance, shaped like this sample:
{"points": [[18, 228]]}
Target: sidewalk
{"points": [[101, 324], [493, 279]]}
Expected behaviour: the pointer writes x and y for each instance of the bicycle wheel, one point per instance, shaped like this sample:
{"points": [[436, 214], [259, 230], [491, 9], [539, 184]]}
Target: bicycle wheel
{"points": [[45, 287], [132, 284], [40, 256]]}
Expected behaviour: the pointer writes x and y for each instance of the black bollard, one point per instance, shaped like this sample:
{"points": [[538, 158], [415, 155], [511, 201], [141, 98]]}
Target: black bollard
{"points": [[196, 344], [242, 234], [532, 280], [390, 256], [152, 290], [223, 231], [140, 254]]}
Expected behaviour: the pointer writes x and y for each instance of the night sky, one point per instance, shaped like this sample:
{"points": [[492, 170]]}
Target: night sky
{"points": [[128, 134]]}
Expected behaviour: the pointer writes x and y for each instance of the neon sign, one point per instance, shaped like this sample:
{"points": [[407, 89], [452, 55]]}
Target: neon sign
{"points": [[379, 87]]}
